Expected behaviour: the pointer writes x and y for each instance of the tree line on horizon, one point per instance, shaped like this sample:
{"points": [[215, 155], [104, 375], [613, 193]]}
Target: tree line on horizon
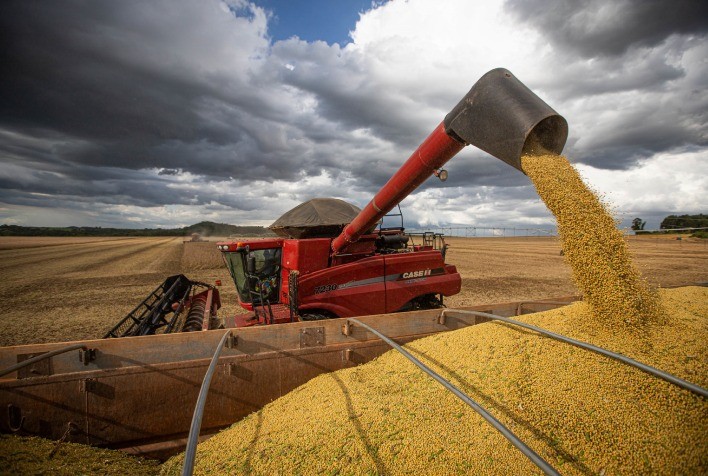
{"points": [[675, 224], [208, 228], [205, 228]]}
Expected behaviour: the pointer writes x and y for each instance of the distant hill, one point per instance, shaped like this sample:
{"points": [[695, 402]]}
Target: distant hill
{"points": [[205, 228], [209, 228]]}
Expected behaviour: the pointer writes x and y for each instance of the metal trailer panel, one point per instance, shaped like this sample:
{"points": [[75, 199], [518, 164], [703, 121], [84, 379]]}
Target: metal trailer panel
{"points": [[139, 392]]}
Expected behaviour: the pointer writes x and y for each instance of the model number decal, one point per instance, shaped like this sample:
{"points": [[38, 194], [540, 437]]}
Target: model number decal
{"points": [[416, 274], [326, 288]]}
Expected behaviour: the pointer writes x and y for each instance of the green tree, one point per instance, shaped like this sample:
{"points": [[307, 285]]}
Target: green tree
{"points": [[638, 224], [684, 221]]}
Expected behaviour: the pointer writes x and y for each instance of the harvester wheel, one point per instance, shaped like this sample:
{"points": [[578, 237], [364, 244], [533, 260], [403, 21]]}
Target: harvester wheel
{"points": [[428, 301], [314, 317]]}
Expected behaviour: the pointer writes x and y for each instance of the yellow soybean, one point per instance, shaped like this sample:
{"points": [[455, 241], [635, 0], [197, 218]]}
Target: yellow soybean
{"points": [[582, 412], [32, 455], [593, 247]]}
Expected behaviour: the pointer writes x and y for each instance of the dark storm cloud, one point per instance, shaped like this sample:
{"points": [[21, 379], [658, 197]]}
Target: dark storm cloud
{"points": [[63, 75], [188, 103], [126, 83], [130, 85], [169, 172], [97, 91], [137, 190], [621, 76], [611, 27]]}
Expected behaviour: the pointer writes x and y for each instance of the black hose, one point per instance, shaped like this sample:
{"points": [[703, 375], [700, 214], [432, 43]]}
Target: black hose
{"points": [[37, 358], [195, 428], [528, 452], [584, 345]]}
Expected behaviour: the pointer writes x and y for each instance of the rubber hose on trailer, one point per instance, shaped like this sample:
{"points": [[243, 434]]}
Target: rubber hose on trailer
{"points": [[195, 317]]}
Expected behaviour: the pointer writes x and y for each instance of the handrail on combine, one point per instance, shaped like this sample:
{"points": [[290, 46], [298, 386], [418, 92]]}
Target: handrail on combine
{"points": [[43, 356], [584, 345], [528, 452], [191, 451]]}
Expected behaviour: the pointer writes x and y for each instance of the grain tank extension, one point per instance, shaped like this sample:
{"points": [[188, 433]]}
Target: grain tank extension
{"points": [[350, 267]]}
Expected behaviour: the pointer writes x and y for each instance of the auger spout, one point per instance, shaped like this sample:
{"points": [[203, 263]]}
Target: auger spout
{"points": [[499, 115]]}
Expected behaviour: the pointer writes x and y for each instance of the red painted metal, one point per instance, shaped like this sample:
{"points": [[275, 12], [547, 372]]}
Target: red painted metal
{"points": [[306, 256], [347, 276], [432, 154], [281, 315], [208, 308], [253, 244]]}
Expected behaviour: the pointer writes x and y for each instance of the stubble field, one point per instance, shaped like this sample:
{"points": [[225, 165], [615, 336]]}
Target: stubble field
{"points": [[60, 289]]}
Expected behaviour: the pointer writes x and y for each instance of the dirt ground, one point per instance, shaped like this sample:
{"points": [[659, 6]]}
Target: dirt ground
{"points": [[59, 289], [517, 269]]}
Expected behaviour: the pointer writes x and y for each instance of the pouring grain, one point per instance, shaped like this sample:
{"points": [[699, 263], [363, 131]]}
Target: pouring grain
{"points": [[593, 247]]}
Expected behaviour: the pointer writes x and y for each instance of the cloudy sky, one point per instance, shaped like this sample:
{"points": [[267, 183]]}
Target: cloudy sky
{"points": [[165, 113]]}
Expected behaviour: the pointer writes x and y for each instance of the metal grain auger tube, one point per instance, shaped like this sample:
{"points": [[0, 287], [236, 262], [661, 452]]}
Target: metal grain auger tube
{"points": [[499, 115]]}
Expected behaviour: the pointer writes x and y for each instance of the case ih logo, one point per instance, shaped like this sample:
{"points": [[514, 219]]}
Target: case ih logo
{"points": [[417, 274], [420, 274]]}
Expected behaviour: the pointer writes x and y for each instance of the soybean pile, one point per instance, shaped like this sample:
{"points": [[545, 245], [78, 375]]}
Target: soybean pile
{"points": [[580, 411], [594, 247], [584, 413], [31, 455]]}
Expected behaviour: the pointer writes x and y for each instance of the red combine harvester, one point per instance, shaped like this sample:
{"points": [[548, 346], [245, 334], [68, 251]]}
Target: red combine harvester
{"points": [[327, 269]]}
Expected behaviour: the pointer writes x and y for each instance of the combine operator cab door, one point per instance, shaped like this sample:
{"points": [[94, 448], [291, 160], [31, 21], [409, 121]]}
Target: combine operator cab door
{"points": [[256, 274]]}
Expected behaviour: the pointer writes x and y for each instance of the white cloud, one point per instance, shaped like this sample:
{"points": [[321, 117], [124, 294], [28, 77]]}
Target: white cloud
{"points": [[664, 183], [252, 128]]}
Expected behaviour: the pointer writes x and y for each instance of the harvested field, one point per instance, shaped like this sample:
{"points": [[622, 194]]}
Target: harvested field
{"points": [[528, 268], [72, 289], [57, 289], [15, 242]]}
